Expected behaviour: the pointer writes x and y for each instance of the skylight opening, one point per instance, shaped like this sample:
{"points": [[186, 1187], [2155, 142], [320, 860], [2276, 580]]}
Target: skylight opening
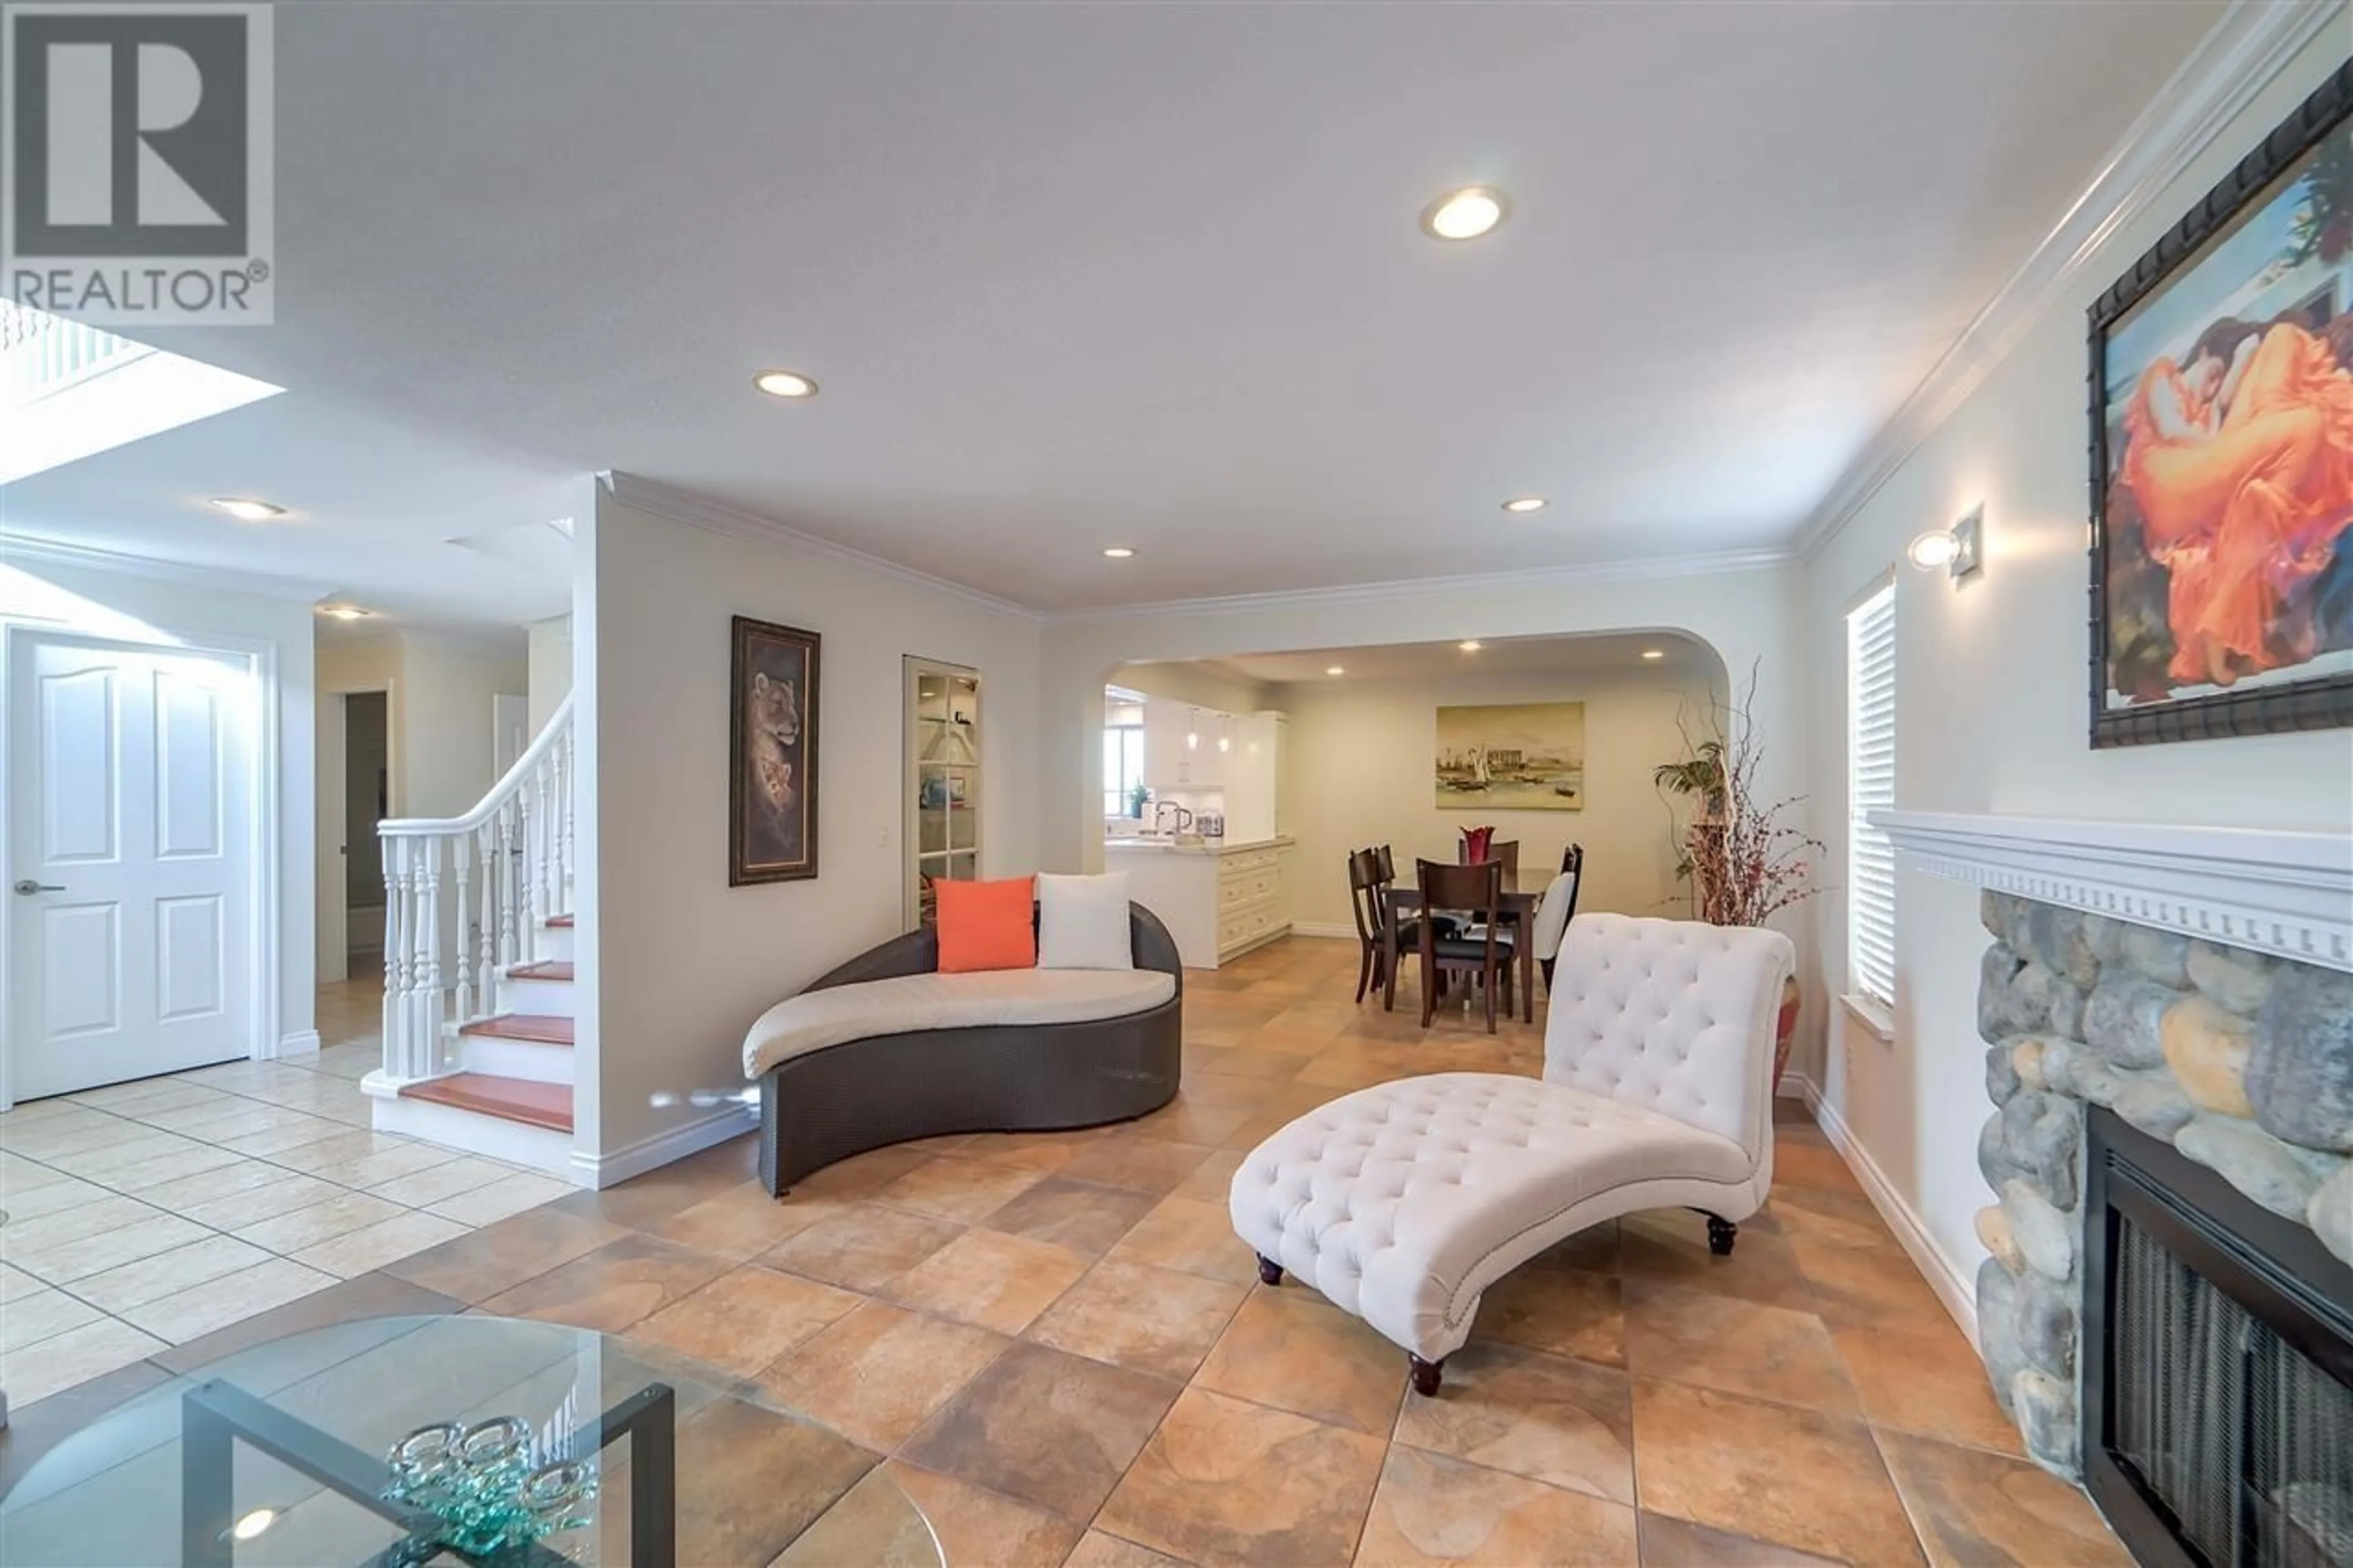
{"points": [[68, 390]]}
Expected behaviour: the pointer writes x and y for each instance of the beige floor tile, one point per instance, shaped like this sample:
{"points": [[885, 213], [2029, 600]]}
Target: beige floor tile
{"points": [[1978, 1507], [178, 1269], [25, 1204], [75, 1356], [743, 1221], [168, 1168], [510, 1195], [1741, 1347], [1055, 1431], [235, 1174], [37, 1315], [1192, 1238], [338, 1149], [994, 1281], [72, 1260], [397, 1174], [1551, 1419], [1152, 1319], [957, 1189], [185, 1314], [618, 1284], [26, 1233], [978, 1529], [1099, 1550], [1431, 1509], [861, 1248], [127, 1156], [16, 1284], [284, 1192], [370, 1246], [480, 1264], [880, 1373], [295, 1131], [1288, 1349], [747, 1317], [297, 1228]]}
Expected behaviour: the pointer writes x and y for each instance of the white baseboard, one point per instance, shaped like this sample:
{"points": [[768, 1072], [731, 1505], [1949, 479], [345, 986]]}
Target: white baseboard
{"points": [[303, 1042], [1336, 933], [1958, 1294], [663, 1148]]}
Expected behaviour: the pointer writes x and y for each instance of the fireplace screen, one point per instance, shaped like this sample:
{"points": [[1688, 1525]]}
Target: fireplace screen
{"points": [[2247, 1443]]}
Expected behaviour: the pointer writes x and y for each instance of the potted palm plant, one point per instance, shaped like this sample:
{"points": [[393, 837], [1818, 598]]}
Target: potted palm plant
{"points": [[1745, 863]]}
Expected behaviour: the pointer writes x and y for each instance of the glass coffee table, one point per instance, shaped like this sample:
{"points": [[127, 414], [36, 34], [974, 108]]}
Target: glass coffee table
{"points": [[282, 1456]]}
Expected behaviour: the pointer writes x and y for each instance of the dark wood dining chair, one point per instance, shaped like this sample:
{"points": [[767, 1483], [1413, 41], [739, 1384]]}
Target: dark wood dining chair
{"points": [[1478, 889], [1366, 903], [1505, 854]]}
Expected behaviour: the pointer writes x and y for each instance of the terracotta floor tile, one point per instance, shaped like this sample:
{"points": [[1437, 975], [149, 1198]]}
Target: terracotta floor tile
{"points": [[861, 1248], [878, 1373], [499, 1257], [620, 1284], [1669, 1246], [953, 1188], [1081, 1215], [1189, 1122], [1827, 1217], [1145, 1165], [1431, 1510], [750, 1481], [1053, 1430], [1565, 1311], [1975, 1508], [1225, 1088], [994, 1281], [1131, 1315], [978, 1529], [1225, 1481], [1212, 1181], [1878, 1286], [1546, 1417], [1290, 1349], [746, 1319], [1926, 1381], [1593, 1251], [861, 1176], [1097, 1550], [1784, 1474], [874, 1525], [1742, 1347], [1043, 1151], [1192, 1238], [1670, 1543], [742, 1221], [1798, 1164]]}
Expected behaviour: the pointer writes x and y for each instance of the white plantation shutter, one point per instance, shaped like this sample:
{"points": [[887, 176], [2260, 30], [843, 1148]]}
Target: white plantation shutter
{"points": [[1870, 786]]}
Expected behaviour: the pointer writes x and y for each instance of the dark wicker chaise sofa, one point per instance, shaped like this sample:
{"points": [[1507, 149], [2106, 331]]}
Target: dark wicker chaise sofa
{"points": [[826, 1104]]}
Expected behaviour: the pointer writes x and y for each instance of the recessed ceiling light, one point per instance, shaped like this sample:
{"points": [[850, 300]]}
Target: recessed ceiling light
{"points": [[1472, 647], [1466, 213], [344, 612], [1118, 552], [1526, 503], [247, 510], [1653, 652], [784, 383], [1335, 670]]}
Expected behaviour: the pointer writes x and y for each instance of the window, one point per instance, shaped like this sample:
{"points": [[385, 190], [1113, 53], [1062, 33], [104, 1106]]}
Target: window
{"points": [[1123, 766], [1870, 786]]}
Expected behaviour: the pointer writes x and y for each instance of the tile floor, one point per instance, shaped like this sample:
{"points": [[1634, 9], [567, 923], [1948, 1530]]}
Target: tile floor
{"points": [[145, 1214], [1056, 1345]]}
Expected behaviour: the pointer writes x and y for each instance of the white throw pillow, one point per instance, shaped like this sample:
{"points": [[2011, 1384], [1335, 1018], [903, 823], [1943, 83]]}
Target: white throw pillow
{"points": [[1082, 923]]}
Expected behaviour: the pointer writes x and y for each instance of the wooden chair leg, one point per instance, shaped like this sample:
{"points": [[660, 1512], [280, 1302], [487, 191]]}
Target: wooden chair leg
{"points": [[1364, 972], [1487, 984], [1270, 1272]]}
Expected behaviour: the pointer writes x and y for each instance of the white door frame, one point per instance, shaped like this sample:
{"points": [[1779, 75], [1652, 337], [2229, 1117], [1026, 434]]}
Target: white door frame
{"points": [[262, 912]]}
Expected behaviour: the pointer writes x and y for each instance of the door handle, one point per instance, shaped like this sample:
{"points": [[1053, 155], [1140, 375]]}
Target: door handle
{"points": [[30, 887]]}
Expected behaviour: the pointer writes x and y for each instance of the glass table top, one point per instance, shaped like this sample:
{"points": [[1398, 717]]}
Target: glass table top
{"points": [[753, 1483]]}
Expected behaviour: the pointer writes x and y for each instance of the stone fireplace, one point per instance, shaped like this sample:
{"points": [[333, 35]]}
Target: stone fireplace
{"points": [[2167, 1018]]}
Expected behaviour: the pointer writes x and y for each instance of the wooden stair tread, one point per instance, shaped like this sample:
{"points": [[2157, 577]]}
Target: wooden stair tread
{"points": [[532, 1103], [560, 922], [546, 969], [544, 1028]]}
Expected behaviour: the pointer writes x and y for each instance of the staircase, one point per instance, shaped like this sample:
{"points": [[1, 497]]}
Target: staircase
{"points": [[479, 968]]}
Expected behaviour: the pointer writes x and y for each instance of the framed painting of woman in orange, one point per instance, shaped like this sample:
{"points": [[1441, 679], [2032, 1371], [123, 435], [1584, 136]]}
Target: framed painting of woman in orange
{"points": [[2222, 377]]}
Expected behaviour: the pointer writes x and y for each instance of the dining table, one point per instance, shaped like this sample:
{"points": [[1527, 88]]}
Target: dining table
{"points": [[1520, 897]]}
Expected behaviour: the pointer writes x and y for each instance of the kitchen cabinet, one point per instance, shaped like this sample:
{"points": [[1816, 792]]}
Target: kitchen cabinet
{"points": [[1218, 900]]}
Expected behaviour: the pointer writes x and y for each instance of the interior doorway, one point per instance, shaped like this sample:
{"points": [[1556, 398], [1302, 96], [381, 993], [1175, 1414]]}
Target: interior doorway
{"points": [[355, 795]]}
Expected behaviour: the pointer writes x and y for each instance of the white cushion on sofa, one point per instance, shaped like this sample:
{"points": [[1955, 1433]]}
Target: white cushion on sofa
{"points": [[1082, 923], [815, 1019]]}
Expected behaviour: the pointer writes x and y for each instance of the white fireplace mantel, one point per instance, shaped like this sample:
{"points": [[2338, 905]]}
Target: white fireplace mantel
{"points": [[2288, 894]]}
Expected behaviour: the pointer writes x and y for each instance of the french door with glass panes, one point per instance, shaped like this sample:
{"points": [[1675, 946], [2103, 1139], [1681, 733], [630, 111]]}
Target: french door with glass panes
{"points": [[944, 785]]}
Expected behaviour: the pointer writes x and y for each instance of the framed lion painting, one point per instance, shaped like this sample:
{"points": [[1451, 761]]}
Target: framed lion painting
{"points": [[2221, 412], [772, 754]]}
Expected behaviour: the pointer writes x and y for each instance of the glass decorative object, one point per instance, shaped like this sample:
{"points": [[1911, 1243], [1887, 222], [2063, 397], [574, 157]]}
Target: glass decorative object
{"points": [[489, 1484]]}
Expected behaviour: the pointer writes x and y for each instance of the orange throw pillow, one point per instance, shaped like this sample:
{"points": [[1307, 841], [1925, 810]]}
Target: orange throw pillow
{"points": [[986, 925]]}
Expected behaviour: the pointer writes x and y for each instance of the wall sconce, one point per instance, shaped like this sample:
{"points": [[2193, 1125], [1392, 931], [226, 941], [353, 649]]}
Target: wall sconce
{"points": [[1193, 730], [1959, 549]]}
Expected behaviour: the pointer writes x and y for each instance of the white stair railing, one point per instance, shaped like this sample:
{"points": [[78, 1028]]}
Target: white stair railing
{"points": [[463, 896]]}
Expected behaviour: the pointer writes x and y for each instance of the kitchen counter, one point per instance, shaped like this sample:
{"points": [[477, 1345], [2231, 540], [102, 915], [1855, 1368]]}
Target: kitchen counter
{"points": [[1218, 898]]}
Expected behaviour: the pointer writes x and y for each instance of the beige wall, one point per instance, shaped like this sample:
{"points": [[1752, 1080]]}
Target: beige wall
{"points": [[1361, 762], [683, 963], [550, 658], [1991, 713], [439, 716]]}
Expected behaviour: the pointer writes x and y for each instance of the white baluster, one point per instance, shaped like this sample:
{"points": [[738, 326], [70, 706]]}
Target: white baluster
{"points": [[560, 795], [541, 840], [395, 968], [564, 805], [486, 959], [461, 868], [518, 868], [430, 902]]}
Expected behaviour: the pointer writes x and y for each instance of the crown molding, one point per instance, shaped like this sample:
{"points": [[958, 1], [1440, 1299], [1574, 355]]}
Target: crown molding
{"points": [[2286, 894], [18, 548], [684, 506], [1648, 569], [2237, 58]]}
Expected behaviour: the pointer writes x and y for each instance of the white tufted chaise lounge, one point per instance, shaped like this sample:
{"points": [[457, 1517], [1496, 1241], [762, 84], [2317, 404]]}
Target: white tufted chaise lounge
{"points": [[1403, 1201]]}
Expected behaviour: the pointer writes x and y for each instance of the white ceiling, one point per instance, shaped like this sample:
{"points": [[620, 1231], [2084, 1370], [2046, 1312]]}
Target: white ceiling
{"points": [[1684, 659], [1075, 276]]}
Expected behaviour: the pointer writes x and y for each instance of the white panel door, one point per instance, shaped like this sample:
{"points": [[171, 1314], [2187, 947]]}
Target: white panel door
{"points": [[129, 782]]}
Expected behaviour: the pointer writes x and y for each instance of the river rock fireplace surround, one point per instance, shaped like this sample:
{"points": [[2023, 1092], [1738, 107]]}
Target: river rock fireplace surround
{"points": [[2167, 1016]]}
